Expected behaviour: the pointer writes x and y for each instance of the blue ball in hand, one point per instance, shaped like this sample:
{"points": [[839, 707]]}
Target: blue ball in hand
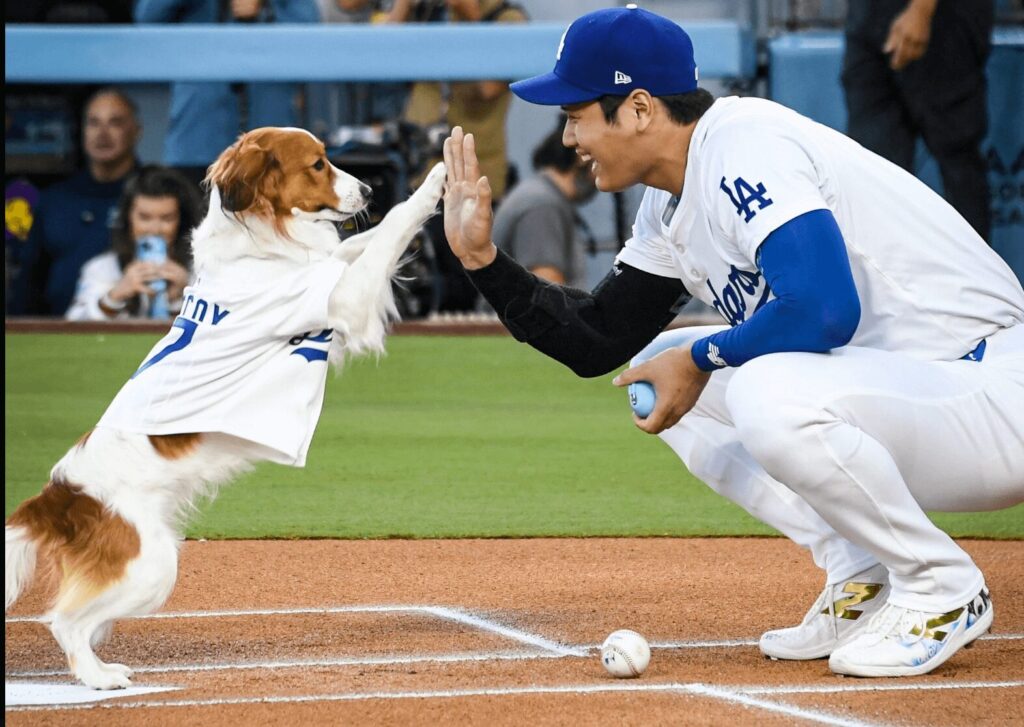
{"points": [[641, 398]]}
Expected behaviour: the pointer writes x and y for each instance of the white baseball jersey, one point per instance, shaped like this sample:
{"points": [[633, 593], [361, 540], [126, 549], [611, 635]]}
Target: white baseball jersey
{"points": [[247, 356], [843, 452], [929, 286]]}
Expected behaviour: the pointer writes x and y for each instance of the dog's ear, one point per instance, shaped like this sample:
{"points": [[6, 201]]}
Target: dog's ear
{"points": [[238, 174]]}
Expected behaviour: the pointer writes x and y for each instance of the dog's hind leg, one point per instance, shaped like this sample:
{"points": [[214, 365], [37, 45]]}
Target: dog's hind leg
{"points": [[74, 633], [100, 635], [79, 626]]}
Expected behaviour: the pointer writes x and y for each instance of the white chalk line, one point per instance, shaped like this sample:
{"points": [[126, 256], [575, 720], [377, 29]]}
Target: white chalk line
{"points": [[875, 687], [311, 663], [443, 612], [447, 613], [698, 690], [738, 695], [316, 610], [814, 715], [524, 637]]}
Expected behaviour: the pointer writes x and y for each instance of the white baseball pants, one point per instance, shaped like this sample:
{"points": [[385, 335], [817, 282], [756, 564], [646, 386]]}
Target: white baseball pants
{"points": [[842, 453]]}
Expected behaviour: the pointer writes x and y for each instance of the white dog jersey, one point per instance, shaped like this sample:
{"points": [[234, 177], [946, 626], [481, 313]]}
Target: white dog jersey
{"points": [[753, 165], [247, 356]]}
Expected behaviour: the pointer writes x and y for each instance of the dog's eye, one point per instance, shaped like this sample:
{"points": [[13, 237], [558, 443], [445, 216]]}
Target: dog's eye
{"points": [[319, 166]]}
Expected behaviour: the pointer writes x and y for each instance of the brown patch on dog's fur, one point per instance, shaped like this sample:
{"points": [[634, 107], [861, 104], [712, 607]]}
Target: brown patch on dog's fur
{"points": [[89, 545], [84, 438], [174, 446]]}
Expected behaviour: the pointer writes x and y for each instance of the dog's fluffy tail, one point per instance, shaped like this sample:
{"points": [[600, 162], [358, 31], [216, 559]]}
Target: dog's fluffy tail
{"points": [[19, 562]]}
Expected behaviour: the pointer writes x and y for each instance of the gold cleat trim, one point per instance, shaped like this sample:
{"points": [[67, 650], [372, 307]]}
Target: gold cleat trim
{"points": [[931, 625], [859, 593]]}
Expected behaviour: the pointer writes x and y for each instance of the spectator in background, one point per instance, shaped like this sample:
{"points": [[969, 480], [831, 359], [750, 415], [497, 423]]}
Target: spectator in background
{"points": [[479, 107], [358, 103], [917, 69], [73, 220], [156, 202], [206, 118], [537, 223]]}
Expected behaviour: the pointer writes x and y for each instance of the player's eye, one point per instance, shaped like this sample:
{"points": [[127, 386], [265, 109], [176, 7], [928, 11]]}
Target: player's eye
{"points": [[319, 166]]}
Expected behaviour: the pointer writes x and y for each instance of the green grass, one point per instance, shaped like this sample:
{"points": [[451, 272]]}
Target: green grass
{"points": [[445, 437]]}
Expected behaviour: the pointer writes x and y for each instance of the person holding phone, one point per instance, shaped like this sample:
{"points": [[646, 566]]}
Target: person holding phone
{"points": [[148, 266]]}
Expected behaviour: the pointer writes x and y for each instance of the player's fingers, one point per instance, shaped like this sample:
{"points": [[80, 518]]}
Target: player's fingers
{"points": [[472, 163], [483, 193], [627, 377], [646, 425], [457, 152], [449, 163], [660, 419]]}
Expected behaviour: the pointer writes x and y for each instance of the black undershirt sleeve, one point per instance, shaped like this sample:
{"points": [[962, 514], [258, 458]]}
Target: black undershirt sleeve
{"points": [[591, 333]]}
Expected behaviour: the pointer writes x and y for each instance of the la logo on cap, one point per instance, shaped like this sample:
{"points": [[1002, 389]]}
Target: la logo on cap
{"points": [[621, 77], [561, 44]]}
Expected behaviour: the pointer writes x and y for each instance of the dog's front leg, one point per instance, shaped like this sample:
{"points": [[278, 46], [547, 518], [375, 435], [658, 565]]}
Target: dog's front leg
{"points": [[362, 299], [353, 247], [400, 224]]}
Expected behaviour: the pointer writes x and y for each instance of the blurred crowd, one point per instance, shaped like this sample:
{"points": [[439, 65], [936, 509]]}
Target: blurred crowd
{"points": [[81, 245]]}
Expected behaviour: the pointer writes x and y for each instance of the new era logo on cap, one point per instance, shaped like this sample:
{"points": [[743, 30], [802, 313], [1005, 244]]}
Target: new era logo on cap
{"points": [[596, 46]]}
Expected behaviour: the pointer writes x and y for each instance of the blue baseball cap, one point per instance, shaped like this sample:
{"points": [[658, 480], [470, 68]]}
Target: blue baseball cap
{"points": [[613, 52]]}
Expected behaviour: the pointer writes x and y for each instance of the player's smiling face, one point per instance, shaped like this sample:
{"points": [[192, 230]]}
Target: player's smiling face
{"points": [[605, 147]]}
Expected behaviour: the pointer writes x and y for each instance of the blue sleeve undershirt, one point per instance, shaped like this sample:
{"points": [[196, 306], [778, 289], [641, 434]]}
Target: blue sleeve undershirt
{"points": [[815, 309]]}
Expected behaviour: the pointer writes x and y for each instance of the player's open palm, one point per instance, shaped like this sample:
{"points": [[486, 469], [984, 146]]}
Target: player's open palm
{"points": [[467, 202]]}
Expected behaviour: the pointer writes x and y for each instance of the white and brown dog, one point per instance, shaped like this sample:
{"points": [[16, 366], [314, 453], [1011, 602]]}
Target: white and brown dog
{"points": [[239, 379]]}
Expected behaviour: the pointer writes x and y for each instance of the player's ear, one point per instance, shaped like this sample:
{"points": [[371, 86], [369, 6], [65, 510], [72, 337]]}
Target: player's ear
{"points": [[641, 105]]}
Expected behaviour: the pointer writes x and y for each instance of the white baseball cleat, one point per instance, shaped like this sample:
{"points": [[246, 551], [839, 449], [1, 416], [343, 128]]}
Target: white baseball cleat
{"points": [[841, 611], [899, 642]]}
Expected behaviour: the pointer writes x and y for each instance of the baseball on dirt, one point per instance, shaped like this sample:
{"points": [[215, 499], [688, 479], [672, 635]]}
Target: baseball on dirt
{"points": [[625, 654]]}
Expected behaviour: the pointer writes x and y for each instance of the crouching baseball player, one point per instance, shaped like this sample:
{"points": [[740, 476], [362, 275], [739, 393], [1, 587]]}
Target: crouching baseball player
{"points": [[873, 366]]}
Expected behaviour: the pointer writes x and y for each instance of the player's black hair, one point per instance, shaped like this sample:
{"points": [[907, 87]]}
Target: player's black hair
{"points": [[683, 108], [551, 152]]}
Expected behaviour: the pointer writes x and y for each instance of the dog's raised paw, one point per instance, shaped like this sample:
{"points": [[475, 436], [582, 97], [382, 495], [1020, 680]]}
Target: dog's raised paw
{"points": [[434, 183]]}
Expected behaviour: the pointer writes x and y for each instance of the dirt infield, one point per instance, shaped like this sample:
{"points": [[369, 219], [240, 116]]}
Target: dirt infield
{"points": [[504, 631]]}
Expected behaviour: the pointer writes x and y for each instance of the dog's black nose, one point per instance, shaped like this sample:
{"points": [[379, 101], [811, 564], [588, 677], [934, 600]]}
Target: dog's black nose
{"points": [[366, 190]]}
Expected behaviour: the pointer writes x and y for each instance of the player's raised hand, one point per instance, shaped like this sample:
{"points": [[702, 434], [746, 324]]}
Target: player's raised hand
{"points": [[467, 203], [677, 381]]}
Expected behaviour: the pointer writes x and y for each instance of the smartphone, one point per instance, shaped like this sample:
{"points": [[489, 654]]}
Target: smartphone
{"points": [[153, 249]]}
